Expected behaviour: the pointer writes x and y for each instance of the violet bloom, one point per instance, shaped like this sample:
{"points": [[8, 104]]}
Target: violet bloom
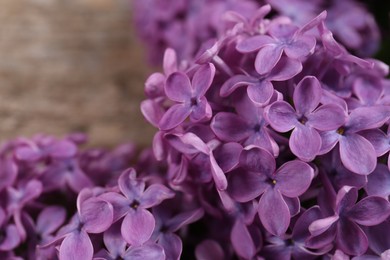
{"points": [[189, 97], [343, 225], [293, 246], [278, 188], [306, 120], [248, 126], [284, 38], [117, 248], [259, 88], [356, 152], [138, 223]]}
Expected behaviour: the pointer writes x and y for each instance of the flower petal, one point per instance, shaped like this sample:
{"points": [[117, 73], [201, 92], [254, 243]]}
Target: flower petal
{"points": [[174, 116], [201, 110], [307, 95], [363, 118], [350, 238], [50, 219], [254, 43], [274, 213], [242, 241], [172, 245], [379, 182], [76, 245], [258, 160], [96, 214], [261, 93], [129, 185], [357, 154], [370, 211], [285, 69], [11, 238], [301, 228], [327, 117], [319, 226], [378, 139], [301, 47], [209, 250], [137, 226], [155, 194], [329, 140], [305, 142], [145, 252], [281, 116], [202, 79], [267, 58], [235, 82], [245, 186], [178, 87], [293, 178]]}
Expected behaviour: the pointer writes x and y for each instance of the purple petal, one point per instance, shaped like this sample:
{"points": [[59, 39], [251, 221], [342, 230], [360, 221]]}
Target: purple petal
{"points": [[328, 141], [154, 85], [169, 61], [301, 227], [137, 226], [155, 194], [345, 199], [245, 186], [11, 238], [218, 175], [230, 127], [305, 142], [370, 211], [368, 91], [184, 219], [227, 156], [261, 93], [242, 241], [178, 87], [267, 58], [378, 139], [129, 185], [209, 250], [293, 205], [258, 160], [281, 116], [97, 215], [145, 252], [254, 43], [113, 240], [174, 116], [307, 95], [274, 213], [119, 203], [172, 245], [62, 149], [152, 111], [357, 154], [76, 245], [285, 69], [351, 238], [379, 181], [50, 219], [201, 111], [327, 117], [319, 226], [202, 79], [363, 118], [8, 173], [235, 82], [293, 178], [302, 47], [77, 180]]}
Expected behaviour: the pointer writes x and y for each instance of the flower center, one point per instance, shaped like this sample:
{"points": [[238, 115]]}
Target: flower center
{"points": [[134, 204], [302, 120], [341, 131], [194, 102], [256, 128]]}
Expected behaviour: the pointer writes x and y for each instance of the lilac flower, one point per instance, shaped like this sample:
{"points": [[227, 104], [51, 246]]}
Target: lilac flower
{"points": [[248, 126], [93, 216], [260, 89], [343, 225], [294, 246], [116, 248], [138, 223], [306, 120], [284, 38], [276, 187], [357, 153], [189, 96]]}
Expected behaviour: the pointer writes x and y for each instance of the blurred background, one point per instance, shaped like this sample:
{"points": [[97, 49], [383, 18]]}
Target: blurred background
{"points": [[68, 66], [76, 65]]}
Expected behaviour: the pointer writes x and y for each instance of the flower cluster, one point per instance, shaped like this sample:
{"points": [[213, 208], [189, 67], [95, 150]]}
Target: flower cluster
{"points": [[282, 135], [186, 24]]}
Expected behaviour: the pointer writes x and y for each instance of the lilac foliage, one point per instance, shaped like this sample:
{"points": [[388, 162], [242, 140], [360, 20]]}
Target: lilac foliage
{"points": [[185, 25], [292, 159]]}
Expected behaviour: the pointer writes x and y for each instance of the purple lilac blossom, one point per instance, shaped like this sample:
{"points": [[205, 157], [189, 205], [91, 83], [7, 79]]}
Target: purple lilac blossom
{"points": [[185, 25], [282, 137]]}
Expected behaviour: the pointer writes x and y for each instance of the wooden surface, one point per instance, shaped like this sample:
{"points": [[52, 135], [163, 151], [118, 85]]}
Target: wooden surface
{"points": [[68, 66]]}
